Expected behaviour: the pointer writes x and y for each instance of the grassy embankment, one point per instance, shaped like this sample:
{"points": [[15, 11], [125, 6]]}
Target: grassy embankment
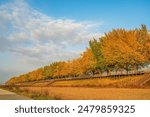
{"points": [[98, 88], [42, 95], [124, 82], [93, 93]]}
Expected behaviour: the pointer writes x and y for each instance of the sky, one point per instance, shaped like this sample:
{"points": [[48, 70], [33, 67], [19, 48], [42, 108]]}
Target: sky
{"points": [[34, 33]]}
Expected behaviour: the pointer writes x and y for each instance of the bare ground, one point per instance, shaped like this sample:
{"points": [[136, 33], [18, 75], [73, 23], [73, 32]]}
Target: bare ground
{"points": [[7, 95]]}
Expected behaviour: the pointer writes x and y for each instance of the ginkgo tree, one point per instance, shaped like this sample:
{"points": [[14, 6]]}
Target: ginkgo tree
{"points": [[118, 50]]}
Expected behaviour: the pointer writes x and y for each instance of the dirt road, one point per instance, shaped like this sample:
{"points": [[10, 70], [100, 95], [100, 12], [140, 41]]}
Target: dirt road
{"points": [[6, 95]]}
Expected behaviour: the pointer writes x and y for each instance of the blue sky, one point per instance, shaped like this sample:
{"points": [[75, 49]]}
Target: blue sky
{"points": [[34, 33], [113, 13]]}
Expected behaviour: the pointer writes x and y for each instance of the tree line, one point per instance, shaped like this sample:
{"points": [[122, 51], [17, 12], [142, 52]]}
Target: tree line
{"points": [[117, 51]]}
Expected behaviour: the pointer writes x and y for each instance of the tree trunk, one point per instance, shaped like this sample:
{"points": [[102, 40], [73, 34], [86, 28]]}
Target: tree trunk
{"points": [[127, 69], [137, 68], [108, 72]]}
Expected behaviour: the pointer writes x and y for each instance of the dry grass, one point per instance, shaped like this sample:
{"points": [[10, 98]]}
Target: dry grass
{"points": [[101, 82], [40, 84], [124, 82], [91, 89], [83, 93], [36, 95]]}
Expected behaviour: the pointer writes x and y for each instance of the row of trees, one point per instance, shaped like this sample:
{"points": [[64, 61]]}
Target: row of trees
{"points": [[118, 50]]}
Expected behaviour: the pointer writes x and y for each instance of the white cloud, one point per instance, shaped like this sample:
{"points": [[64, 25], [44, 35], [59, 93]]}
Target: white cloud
{"points": [[38, 39]]}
